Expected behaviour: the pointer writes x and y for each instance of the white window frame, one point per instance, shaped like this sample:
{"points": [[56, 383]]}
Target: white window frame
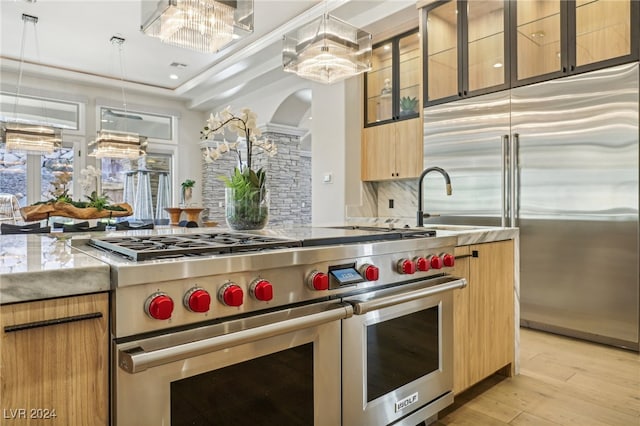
{"points": [[154, 146]]}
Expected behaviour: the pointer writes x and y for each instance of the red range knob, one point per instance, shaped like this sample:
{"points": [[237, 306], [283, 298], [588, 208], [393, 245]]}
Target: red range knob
{"points": [[197, 300], [318, 281], [261, 290], [159, 306], [422, 264], [370, 272], [231, 295], [406, 266], [436, 262], [448, 259]]}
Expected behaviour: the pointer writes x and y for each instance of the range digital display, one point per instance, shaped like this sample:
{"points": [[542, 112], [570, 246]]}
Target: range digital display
{"points": [[346, 276]]}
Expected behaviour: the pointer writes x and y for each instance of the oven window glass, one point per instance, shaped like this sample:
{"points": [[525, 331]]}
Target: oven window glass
{"points": [[275, 389], [401, 350]]}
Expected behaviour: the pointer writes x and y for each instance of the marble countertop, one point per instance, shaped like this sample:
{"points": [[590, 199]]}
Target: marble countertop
{"points": [[44, 266]]}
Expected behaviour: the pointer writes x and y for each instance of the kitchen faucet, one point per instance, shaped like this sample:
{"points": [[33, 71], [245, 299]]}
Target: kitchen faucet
{"points": [[447, 180]]}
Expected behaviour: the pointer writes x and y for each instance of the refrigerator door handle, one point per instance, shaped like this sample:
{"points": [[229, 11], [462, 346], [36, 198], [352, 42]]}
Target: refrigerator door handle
{"points": [[505, 181], [514, 202]]}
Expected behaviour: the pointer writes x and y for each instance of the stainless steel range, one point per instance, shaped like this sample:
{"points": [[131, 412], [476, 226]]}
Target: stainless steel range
{"points": [[310, 326]]}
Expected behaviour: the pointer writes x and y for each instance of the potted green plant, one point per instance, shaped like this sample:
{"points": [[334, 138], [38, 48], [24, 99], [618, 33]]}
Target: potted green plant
{"points": [[408, 105], [246, 195], [187, 191]]}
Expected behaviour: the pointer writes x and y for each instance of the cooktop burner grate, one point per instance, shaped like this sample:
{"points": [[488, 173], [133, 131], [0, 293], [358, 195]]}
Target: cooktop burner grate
{"points": [[141, 248]]}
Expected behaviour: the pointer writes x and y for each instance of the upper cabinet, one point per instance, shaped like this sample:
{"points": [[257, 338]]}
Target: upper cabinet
{"points": [[392, 87], [480, 46], [555, 38], [465, 47]]}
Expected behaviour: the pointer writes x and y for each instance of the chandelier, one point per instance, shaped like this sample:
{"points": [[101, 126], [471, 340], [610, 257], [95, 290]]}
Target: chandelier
{"points": [[327, 50], [34, 138], [203, 25], [116, 143], [29, 137]]}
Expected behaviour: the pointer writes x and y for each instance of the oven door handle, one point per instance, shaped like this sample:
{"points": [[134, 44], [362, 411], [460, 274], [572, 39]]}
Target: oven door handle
{"points": [[136, 359], [362, 307]]}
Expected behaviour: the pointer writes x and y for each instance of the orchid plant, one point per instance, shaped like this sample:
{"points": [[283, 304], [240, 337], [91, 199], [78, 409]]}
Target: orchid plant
{"points": [[244, 125], [249, 210]]}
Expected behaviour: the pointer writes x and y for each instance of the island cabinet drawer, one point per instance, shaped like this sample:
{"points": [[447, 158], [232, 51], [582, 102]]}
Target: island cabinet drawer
{"points": [[54, 361]]}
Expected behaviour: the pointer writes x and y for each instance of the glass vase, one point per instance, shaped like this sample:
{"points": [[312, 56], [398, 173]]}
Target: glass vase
{"points": [[246, 211]]}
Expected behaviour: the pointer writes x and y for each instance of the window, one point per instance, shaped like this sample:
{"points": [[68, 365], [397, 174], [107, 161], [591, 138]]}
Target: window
{"points": [[145, 183], [150, 125], [34, 178], [29, 109]]}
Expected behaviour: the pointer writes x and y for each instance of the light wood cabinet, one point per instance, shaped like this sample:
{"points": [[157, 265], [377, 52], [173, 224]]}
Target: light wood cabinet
{"points": [[392, 151], [480, 46], [54, 361], [465, 49], [483, 313], [556, 38]]}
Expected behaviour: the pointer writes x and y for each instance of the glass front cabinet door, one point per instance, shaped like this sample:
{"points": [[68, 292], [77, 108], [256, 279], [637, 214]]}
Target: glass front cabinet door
{"points": [[392, 87], [473, 47], [559, 37], [466, 45]]}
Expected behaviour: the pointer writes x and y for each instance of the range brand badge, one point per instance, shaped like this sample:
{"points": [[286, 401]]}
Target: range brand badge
{"points": [[405, 402]]}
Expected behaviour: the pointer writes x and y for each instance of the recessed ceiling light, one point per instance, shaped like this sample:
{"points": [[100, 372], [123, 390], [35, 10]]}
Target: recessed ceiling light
{"points": [[497, 65], [387, 47], [173, 76]]}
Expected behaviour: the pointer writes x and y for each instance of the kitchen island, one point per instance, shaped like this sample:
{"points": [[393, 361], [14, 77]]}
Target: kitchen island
{"points": [[72, 255], [44, 266]]}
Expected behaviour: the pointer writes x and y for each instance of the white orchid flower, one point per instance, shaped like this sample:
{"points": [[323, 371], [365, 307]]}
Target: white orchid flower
{"points": [[244, 125]]}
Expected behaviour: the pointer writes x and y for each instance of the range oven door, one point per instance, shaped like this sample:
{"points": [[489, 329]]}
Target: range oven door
{"points": [[278, 368], [398, 354]]}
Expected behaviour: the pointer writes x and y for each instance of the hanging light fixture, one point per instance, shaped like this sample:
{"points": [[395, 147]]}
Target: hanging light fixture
{"points": [[203, 25], [327, 50], [29, 137], [119, 144]]}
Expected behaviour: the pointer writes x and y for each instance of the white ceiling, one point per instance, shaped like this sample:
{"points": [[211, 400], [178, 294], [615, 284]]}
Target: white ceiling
{"points": [[73, 42]]}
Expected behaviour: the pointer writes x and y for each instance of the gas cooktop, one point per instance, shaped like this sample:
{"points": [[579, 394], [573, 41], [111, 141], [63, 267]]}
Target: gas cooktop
{"points": [[166, 246], [147, 247]]}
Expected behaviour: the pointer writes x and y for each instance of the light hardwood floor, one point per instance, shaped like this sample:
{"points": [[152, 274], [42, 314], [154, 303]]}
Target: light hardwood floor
{"points": [[562, 381]]}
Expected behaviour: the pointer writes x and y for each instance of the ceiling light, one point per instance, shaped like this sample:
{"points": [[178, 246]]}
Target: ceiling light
{"points": [[119, 144], [34, 138], [202, 25], [29, 137], [112, 144], [173, 76], [497, 65], [327, 50]]}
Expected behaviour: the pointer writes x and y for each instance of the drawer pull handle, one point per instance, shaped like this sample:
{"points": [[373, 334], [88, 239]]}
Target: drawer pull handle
{"points": [[56, 321]]}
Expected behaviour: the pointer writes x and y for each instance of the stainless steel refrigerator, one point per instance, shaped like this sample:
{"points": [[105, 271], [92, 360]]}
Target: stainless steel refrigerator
{"points": [[559, 160]]}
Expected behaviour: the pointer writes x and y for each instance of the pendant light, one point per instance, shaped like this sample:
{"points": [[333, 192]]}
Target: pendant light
{"points": [[327, 50], [119, 144], [33, 138], [202, 25]]}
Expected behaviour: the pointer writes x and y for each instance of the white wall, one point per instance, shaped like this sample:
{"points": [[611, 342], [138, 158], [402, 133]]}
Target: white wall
{"points": [[336, 128], [265, 102], [187, 158]]}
